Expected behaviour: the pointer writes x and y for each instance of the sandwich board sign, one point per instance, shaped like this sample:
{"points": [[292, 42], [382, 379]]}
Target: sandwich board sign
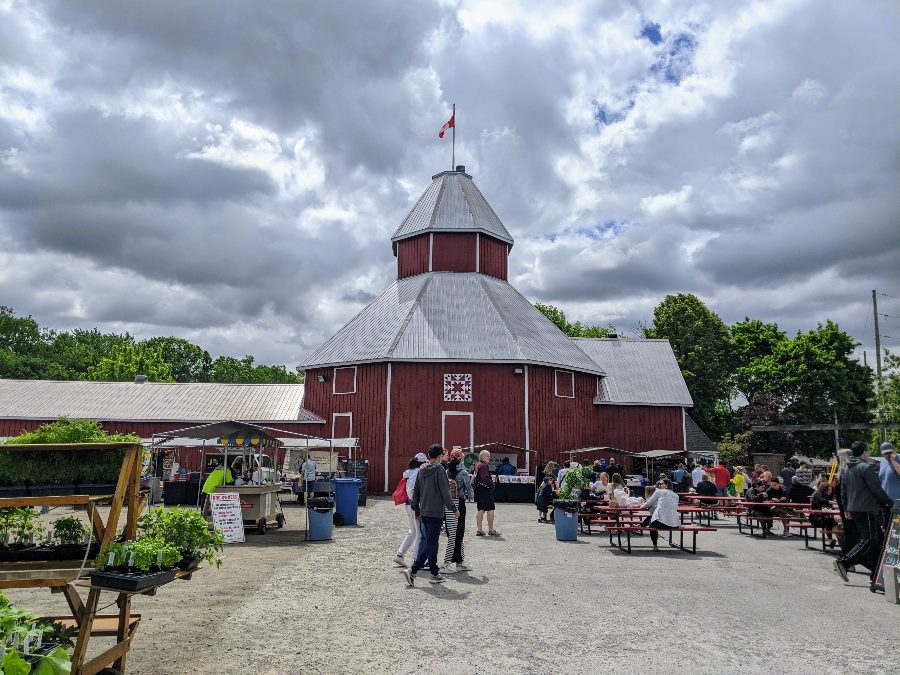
{"points": [[890, 554], [227, 518]]}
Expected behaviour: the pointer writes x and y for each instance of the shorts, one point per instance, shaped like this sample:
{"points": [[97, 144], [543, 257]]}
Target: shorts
{"points": [[484, 498]]}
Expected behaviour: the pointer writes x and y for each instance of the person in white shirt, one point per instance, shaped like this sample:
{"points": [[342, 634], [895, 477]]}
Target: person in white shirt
{"points": [[308, 469], [411, 540], [562, 472], [697, 474], [663, 508]]}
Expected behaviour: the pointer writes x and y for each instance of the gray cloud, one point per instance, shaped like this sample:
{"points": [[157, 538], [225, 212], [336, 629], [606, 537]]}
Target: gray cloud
{"points": [[231, 173]]}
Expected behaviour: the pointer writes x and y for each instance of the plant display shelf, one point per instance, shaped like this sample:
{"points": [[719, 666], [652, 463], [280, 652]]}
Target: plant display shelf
{"points": [[63, 576]]}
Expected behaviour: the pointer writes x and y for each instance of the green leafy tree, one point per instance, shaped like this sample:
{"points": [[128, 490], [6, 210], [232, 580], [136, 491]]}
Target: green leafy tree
{"points": [[129, 360], [189, 362], [888, 400], [577, 329], [75, 352], [231, 370], [701, 342], [753, 346], [24, 352]]}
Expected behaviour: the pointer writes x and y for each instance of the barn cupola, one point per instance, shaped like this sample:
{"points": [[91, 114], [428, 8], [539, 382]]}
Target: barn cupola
{"points": [[452, 228]]}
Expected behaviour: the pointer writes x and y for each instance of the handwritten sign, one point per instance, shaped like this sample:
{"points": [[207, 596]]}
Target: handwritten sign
{"points": [[890, 554], [227, 518]]}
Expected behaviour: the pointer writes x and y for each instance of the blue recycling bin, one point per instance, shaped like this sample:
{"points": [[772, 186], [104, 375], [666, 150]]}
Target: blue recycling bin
{"points": [[321, 518], [346, 497], [566, 522]]}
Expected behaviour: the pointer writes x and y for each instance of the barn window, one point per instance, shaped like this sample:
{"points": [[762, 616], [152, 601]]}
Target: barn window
{"points": [[565, 384], [344, 381], [342, 425]]}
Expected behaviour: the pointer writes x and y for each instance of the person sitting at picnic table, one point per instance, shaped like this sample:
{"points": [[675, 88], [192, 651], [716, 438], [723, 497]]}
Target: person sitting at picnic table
{"points": [[616, 485], [799, 492], [777, 493], [821, 501], [600, 486], [663, 508], [804, 474], [706, 488], [766, 475], [759, 493]]}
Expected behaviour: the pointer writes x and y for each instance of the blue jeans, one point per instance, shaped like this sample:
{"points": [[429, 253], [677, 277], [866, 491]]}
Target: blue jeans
{"points": [[722, 492], [430, 529]]}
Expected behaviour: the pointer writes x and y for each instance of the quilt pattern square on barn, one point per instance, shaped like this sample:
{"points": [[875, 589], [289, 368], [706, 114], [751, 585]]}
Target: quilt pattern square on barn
{"points": [[458, 387]]}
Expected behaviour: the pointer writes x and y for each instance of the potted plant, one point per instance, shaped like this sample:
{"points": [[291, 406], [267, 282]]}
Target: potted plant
{"points": [[188, 532], [31, 644], [11, 483], [136, 565]]}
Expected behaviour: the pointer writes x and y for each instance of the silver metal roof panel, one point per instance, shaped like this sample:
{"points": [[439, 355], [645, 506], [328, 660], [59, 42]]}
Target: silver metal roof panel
{"points": [[452, 203], [638, 372], [152, 401], [442, 316]]}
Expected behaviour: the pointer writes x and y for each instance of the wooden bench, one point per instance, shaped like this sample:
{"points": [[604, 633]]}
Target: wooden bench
{"points": [[628, 529], [797, 522]]}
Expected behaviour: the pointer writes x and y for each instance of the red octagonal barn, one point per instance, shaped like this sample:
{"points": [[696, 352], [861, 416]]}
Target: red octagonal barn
{"points": [[452, 354]]}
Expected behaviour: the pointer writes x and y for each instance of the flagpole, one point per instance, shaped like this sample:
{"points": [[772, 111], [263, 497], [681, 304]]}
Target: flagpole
{"points": [[453, 155]]}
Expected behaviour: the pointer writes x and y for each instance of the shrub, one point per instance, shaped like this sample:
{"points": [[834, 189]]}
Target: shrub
{"points": [[187, 531]]}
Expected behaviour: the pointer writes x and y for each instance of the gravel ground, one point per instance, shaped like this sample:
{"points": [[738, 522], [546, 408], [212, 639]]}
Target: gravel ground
{"points": [[530, 604]]}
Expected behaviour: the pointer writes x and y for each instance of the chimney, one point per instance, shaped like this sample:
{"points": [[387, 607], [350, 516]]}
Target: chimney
{"points": [[461, 168], [140, 379], [614, 336]]}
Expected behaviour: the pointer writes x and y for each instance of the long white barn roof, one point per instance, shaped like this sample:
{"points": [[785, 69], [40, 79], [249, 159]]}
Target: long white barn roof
{"points": [[638, 372], [452, 203], [446, 316], [152, 401]]}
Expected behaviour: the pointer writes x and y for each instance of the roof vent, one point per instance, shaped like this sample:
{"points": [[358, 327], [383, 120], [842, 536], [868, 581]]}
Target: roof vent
{"points": [[140, 379], [461, 168], [614, 336]]}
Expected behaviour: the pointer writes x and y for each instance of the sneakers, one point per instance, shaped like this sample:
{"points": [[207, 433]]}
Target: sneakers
{"points": [[410, 577], [462, 567], [400, 561], [786, 533], [840, 569], [446, 569], [436, 579], [655, 548]]}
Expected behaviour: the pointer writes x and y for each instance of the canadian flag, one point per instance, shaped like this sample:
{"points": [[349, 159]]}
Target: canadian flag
{"points": [[448, 125]]}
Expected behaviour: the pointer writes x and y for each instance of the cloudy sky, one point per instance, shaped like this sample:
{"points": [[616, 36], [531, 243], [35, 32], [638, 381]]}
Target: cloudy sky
{"points": [[231, 173]]}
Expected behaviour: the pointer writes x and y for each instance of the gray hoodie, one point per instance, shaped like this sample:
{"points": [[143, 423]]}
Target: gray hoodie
{"points": [[432, 492], [861, 488]]}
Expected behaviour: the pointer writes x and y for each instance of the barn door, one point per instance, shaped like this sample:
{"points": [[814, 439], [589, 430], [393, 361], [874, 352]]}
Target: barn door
{"points": [[459, 430]]}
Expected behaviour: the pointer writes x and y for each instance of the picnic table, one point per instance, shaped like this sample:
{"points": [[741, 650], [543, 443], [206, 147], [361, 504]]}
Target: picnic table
{"points": [[834, 513], [629, 519], [751, 517]]}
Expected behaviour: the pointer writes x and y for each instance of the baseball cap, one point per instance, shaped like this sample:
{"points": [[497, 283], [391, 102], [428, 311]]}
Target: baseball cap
{"points": [[886, 447], [421, 457]]}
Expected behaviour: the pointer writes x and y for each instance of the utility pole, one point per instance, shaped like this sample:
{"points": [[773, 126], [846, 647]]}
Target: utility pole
{"points": [[877, 358]]}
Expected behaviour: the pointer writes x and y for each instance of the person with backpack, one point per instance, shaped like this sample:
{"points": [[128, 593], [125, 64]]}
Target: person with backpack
{"points": [[403, 496], [430, 496]]}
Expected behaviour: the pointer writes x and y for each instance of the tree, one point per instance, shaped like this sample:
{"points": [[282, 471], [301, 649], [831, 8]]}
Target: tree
{"points": [[766, 410], [231, 370], [129, 360], [753, 346], [558, 317], [74, 353], [701, 342], [24, 350], [888, 398], [189, 362]]}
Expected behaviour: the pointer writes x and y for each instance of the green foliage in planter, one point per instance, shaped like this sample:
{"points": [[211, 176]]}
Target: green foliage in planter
{"points": [[69, 530], [574, 482], [19, 524], [139, 554], [187, 531], [55, 468], [18, 627]]}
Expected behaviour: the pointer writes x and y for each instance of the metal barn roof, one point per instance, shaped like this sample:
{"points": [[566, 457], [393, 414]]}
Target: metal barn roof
{"points": [[152, 401], [446, 316], [638, 372], [452, 203]]}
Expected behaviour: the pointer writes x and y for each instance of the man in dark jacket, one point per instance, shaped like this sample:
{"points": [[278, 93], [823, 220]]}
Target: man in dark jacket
{"points": [[863, 499], [430, 496]]}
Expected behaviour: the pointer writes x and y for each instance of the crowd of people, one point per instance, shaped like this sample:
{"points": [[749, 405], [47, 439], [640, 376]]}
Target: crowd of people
{"points": [[434, 491]]}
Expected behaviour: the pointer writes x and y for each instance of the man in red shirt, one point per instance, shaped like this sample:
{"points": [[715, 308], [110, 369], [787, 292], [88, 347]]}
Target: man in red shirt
{"points": [[721, 477]]}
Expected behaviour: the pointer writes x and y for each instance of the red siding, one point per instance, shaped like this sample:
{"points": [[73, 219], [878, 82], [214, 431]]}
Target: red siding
{"points": [[417, 401], [412, 256], [368, 406], [453, 252], [494, 255]]}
